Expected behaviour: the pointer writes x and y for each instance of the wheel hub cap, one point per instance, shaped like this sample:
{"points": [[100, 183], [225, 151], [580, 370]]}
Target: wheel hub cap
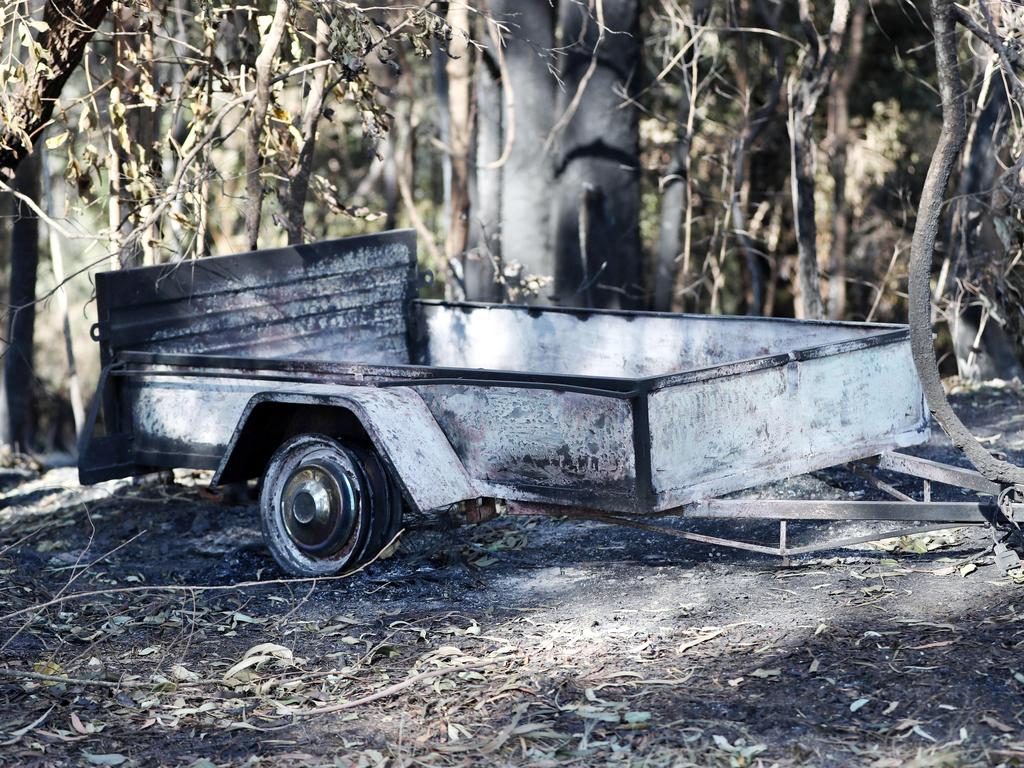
{"points": [[319, 505]]}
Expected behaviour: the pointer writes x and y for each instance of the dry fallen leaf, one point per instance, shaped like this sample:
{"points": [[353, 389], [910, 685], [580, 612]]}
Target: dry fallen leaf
{"points": [[858, 704], [112, 758], [997, 725]]}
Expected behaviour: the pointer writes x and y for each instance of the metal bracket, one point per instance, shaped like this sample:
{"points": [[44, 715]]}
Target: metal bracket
{"points": [[1006, 558], [1009, 500]]}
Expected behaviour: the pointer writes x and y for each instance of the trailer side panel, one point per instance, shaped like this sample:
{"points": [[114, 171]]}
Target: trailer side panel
{"points": [[731, 432]]}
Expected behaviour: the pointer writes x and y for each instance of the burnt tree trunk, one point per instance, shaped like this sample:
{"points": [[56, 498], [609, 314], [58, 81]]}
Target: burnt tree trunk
{"points": [[597, 174], [673, 231], [300, 174], [17, 428], [481, 265], [805, 90], [529, 36], [254, 134], [838, 143], [132, 129], [983, 349], [674, 200], [744, 144], [460, 89], [929, 217]]}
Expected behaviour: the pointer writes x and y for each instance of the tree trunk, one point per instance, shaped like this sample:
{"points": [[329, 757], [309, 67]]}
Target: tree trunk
{"points": [[751, 132], [313, 105], [27, 110], [838, 143], [929, 216], [254, 134], [460, 88], [805, 89], [674, 202], [597, 176], [481, 265], [983, 349], [439, 70], [48, 172], [132, 125], [528, 171], [674, 229], [17, 431]]}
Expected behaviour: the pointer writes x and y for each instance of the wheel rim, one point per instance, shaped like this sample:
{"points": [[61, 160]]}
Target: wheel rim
{"points": [[319, 507]]}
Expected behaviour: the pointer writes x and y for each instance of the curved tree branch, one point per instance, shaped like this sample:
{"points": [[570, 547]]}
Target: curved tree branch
{"points": [[947, 152], [70, 26]]}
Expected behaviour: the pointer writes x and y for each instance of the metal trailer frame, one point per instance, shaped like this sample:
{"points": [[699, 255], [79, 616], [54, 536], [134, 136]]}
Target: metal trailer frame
{"points": [[211, 364], [1003, 509]]}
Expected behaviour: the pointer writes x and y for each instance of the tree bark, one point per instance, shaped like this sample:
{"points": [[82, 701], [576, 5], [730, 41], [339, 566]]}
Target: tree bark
{"points": [[597, 176], [673, 241], [131, 127], [460, 88], [528, 171], [480, 267], [983, 349], [838, 144], [674, 201], [755, 125], [439, 70], [805, 90], [929, 216], [71, 26], [298, 187], [260, 104], [48, 171], [17, 432]]}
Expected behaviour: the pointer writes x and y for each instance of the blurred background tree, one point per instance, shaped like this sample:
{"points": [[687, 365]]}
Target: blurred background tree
{"points": [[749, 156]]}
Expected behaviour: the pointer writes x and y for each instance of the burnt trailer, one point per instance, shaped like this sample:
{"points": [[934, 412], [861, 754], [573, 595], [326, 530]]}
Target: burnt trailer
{"points": [[317, 369]]}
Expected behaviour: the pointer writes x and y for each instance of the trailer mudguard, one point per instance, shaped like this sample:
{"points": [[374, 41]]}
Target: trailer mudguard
{"points": [[394, 419]]}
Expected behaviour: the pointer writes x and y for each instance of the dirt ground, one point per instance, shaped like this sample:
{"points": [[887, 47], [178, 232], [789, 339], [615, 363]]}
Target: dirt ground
{"points": [[131, 633]]}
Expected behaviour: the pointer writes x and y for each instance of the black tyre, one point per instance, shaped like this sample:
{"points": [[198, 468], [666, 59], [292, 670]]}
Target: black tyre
{"points": [[325, 507], [387, 507]]}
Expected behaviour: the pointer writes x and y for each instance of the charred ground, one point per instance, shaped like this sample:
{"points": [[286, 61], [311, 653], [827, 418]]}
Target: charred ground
{"points": [[579, 643]]}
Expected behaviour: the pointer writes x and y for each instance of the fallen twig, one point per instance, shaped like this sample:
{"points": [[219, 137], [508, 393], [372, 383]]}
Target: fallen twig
{"points": [[16, 735], [24, 674], [391, 690], [193, 588]]}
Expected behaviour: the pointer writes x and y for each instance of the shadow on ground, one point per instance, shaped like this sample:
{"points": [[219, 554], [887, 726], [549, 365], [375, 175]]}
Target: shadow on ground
{"points": [[518, 641]]}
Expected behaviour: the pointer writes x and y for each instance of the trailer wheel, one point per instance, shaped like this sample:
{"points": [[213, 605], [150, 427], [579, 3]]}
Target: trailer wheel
{"points": [[324, 506], [387, 507]]}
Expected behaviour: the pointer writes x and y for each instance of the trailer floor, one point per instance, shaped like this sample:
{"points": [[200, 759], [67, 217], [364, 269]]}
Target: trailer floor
{"points": [[585, 644]]}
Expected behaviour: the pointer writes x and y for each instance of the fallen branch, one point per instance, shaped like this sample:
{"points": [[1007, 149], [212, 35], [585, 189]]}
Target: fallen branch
{"points": [[16, 735], [391, 690], [24, 674], [193, 588], [926, 228]]}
